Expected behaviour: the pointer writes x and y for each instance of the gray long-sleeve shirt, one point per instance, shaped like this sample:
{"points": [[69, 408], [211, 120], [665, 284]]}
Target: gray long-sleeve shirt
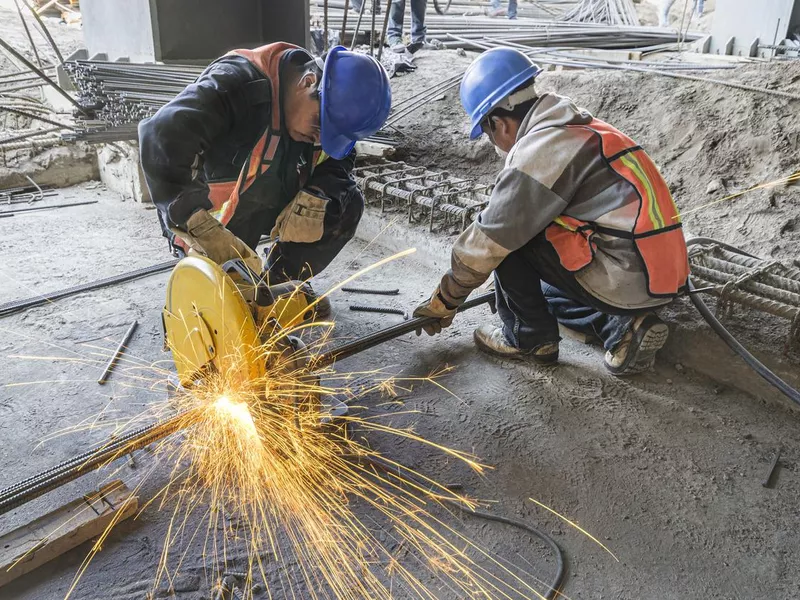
{"points": [[554, 169]]}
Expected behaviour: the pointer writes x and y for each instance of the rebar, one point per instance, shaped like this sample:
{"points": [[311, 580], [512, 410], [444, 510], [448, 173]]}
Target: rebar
{"points": [[386, 310], [355, 290], [767, 286], [448, 204], [123, 345], [41, 74], [613, 12]]}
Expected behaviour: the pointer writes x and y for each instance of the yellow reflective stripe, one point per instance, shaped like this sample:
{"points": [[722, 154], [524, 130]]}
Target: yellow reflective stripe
{"points": [[561, 222], [653, 209], [322, 158]]}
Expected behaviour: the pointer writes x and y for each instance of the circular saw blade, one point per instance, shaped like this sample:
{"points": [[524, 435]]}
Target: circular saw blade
{"points": [[207, 324]]}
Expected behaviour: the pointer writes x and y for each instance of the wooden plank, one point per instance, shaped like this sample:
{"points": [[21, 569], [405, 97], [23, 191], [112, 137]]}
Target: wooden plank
{"points": [[42, 540]]}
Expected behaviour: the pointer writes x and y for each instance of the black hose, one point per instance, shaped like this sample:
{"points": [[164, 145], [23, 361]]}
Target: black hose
{"points": [[726, 336], [402, 472]]}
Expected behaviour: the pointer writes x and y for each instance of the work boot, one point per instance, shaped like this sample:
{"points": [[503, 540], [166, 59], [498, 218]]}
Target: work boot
{"points": [[492, 340], [396, 45], [636, 352]]}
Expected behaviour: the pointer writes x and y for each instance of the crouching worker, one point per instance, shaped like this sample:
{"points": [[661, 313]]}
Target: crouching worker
{"points": [[236, 155], [580, 228]]}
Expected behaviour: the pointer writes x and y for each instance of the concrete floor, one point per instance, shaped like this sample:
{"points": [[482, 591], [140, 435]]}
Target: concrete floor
{"points": [[660, 468]]}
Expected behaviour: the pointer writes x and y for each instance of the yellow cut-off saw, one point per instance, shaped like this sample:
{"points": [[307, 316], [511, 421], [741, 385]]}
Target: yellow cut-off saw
{"points": [[215, 314]]}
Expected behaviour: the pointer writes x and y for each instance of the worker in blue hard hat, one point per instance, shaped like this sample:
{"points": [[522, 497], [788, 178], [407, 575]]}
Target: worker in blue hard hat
{"points": [[262, 144], [580, 229]]}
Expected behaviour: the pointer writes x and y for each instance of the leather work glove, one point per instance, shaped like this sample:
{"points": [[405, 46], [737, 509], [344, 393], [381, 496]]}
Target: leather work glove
{"points": [[435, 306], [208, 237]]}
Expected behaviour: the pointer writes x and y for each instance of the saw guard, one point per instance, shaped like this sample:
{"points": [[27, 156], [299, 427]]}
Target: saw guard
{"points": [[207, 323]]}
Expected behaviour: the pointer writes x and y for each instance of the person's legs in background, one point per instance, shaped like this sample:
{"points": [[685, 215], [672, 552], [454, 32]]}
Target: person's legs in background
{"points": [[512, 9], [418, 8], [663, 15], [394, 32]]}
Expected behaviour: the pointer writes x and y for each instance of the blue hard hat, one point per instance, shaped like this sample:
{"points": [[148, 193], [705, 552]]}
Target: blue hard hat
{"points": [[490, 78], [355, 99]]}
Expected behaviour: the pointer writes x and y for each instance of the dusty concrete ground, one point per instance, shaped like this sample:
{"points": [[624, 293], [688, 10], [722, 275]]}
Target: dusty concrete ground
{"points": [[660, 468]]}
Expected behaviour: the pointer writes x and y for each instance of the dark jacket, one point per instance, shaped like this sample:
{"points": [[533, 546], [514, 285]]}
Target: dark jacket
{"points": [[204, 137]]}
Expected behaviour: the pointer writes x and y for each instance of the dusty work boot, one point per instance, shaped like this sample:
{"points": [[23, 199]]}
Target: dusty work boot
{"points": [[636, 352], [492, 340]]}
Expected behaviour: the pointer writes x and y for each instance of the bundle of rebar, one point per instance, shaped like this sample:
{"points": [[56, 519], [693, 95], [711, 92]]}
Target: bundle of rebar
{"points": [[446, 203], [767, 286], [613, 12], [121, 93], [535, 32]]}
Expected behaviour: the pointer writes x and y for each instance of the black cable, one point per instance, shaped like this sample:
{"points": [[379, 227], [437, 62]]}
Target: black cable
{"points": [[404, 473], [726, 336]]}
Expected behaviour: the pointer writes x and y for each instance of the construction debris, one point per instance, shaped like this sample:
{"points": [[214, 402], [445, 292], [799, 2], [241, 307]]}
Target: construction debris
{"points": [[50, 536]]}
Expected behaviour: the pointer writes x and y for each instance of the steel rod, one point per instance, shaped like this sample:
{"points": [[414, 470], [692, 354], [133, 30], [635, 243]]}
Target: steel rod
{"points": [[389, 333], [123, 345], [34, 208]]}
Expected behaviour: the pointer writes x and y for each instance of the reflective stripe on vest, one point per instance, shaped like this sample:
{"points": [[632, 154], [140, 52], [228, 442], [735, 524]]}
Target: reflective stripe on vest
{"points": [[656, 230]]}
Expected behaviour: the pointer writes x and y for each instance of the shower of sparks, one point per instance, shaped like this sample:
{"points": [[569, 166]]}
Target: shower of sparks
{"points": [[264, 486], [575, 526], [789, 180]]}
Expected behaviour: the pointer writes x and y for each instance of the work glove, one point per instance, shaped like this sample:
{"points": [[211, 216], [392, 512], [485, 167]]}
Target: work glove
{"points": [[437, 307], [208, 237]]}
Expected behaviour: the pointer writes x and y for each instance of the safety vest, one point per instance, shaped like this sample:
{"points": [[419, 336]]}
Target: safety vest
{"points": [[224, 196], [651, 221]]}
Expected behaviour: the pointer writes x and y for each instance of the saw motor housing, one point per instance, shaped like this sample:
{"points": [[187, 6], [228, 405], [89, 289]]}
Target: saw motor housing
{"points": [[209, 318]]}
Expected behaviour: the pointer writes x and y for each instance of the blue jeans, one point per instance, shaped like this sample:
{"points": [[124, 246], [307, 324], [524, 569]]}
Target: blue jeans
{"points": [[397, 14], [512, 7], [535, 293]]}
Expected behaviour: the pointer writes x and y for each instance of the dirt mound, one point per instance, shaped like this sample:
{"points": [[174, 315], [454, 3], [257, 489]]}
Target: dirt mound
{"points": [[708, 140]]}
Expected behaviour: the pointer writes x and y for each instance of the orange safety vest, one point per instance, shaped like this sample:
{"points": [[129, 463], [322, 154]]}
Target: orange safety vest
{"points": [[224, 196], [654, 225]]}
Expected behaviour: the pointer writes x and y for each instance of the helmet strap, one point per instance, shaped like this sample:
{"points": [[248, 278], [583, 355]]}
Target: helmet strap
{"points": [[517, 98]]}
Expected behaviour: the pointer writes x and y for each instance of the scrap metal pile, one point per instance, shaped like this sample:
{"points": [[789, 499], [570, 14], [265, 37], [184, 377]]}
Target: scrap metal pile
{"points": [[445, 203]]}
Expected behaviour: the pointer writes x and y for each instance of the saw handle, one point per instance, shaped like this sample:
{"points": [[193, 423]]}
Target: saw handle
{"points": [[263, 295]]}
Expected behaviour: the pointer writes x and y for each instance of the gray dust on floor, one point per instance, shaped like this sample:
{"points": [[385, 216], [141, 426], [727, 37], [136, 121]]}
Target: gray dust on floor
{"points": [[662, 469]]}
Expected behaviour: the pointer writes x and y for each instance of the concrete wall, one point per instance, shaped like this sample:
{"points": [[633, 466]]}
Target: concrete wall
{"points": [[118, 28], [189, 30], [746, 20]]}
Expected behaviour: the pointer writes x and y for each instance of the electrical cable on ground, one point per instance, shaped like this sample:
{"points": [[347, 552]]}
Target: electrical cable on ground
{"points": [[405, 473], [731, 341]]}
